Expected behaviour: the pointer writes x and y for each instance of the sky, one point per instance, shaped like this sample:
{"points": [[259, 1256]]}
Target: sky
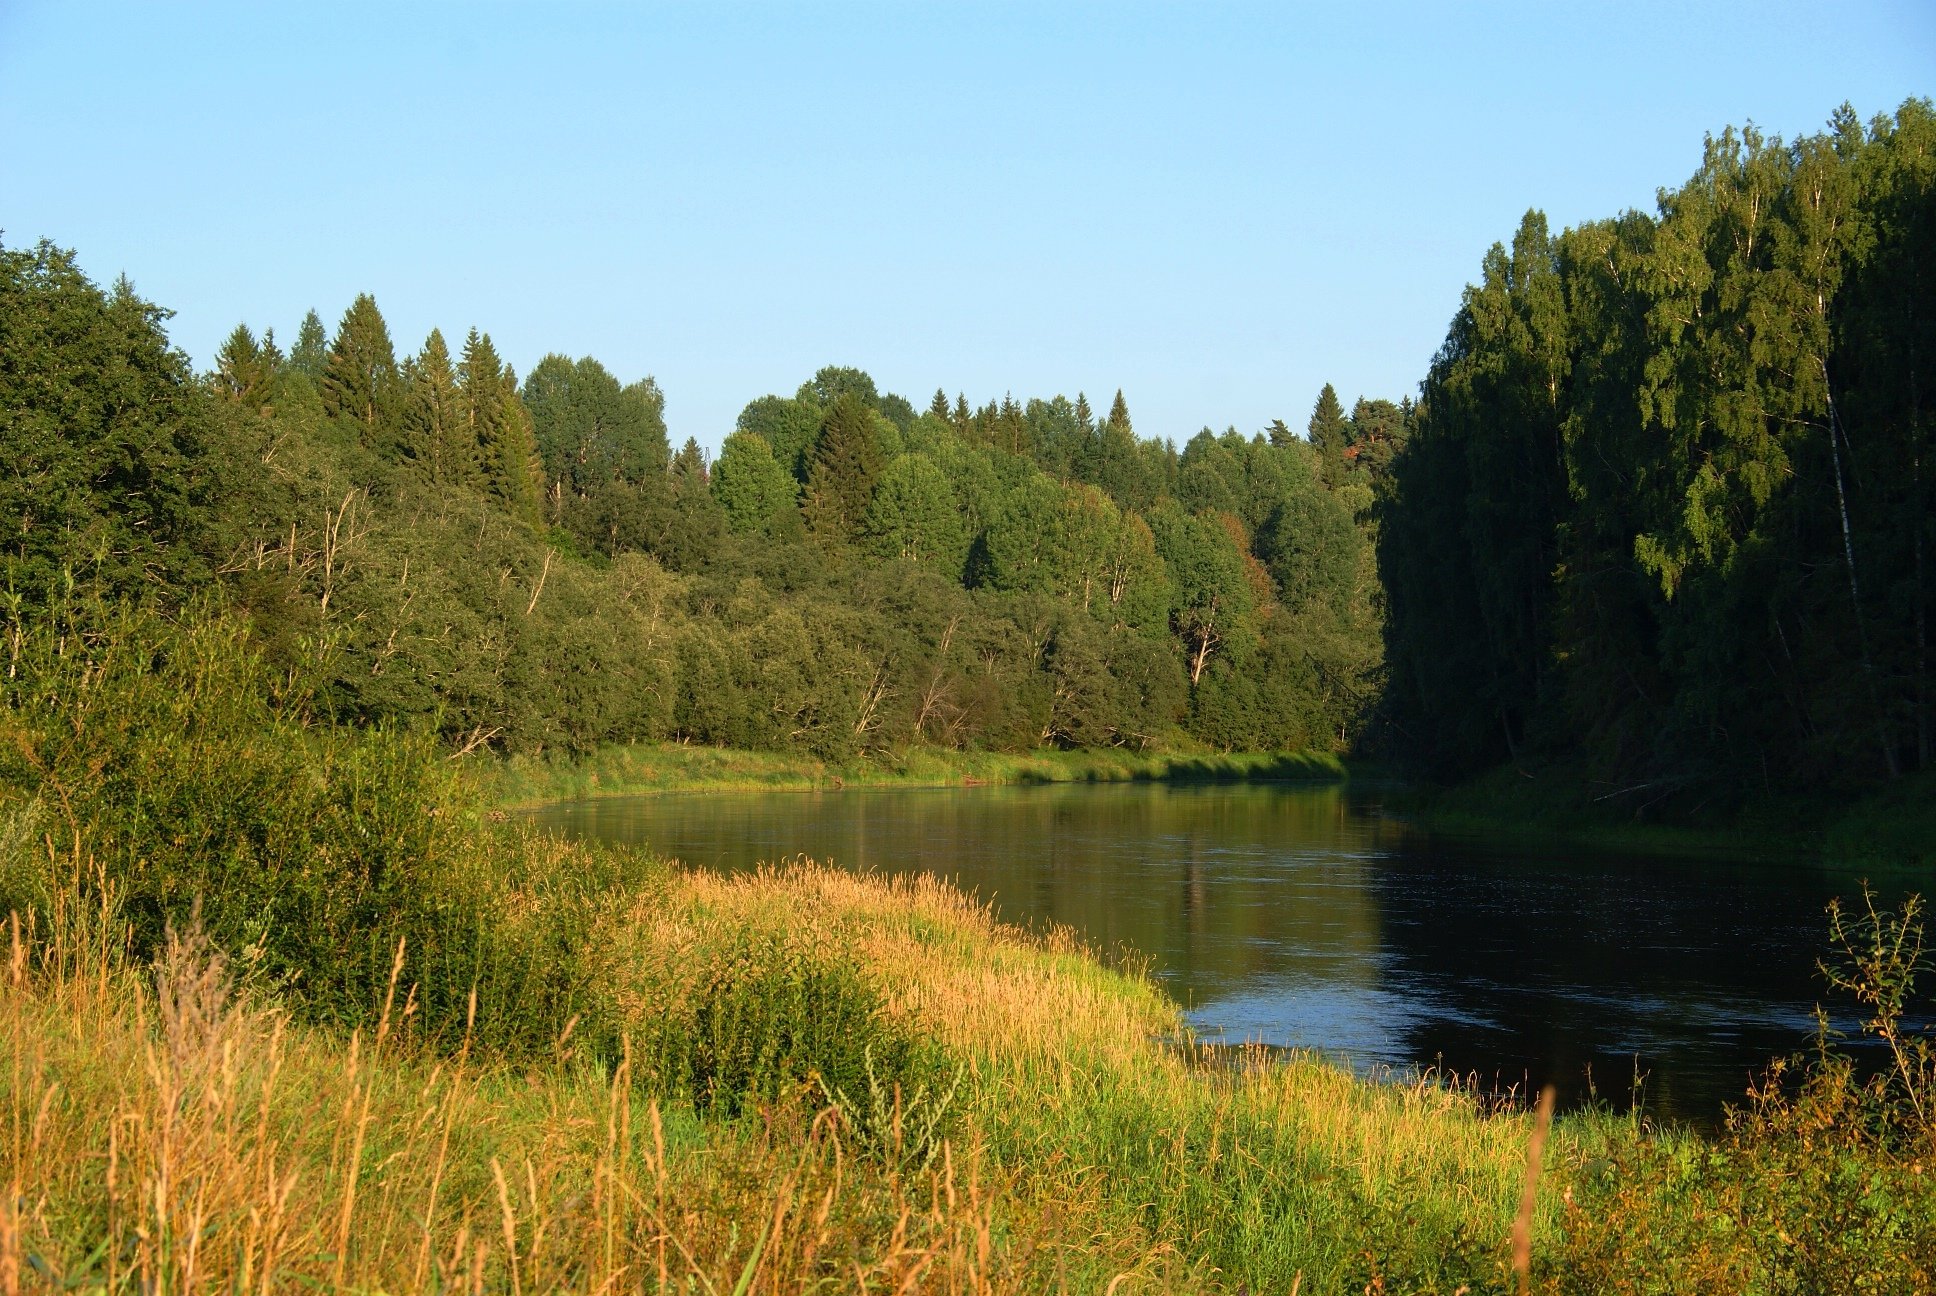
{"points": [[1216, 208]]}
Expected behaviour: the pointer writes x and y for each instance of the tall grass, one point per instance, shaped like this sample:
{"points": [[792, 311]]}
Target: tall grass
{"points": [[174, 1129]]}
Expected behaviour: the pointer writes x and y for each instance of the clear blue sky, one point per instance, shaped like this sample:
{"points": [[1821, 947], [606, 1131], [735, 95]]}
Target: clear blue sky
{"points": [[1217, 208]]}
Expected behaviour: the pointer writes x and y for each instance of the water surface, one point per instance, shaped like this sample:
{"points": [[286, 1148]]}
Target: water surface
{"points": [[1302, 917]]}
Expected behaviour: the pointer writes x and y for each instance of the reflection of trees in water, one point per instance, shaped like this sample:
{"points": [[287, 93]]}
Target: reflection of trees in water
{"points": [[1216, 884], [1262, 890]]}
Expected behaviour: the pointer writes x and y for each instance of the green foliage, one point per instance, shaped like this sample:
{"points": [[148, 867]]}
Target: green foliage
{"points": [[526, 568], [434, 434], [117, 465], [195, 787], [1636, 520], [1212, 601], [245, 370], [773, 1017], [846, 461], [758, 496], [590, 430], [904, 1128], [1328, 433], [497, 424], [1821, 1180], [360, 380], [913, 516], [789, 427], [310, 356]]}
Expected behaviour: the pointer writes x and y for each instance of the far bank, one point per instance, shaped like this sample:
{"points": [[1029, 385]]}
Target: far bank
{"points": [[522, 782], [1890, 828]]}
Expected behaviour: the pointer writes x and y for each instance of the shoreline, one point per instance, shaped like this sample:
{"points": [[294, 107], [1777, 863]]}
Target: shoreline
{"points": [[522, 783], [1890, 830]]}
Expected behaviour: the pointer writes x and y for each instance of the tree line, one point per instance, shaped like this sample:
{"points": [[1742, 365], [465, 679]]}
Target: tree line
{"points": [[527, 564], [1665, 508]]}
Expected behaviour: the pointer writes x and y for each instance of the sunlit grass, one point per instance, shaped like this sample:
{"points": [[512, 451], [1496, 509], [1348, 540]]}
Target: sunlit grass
{"points": [[174, 1130]]}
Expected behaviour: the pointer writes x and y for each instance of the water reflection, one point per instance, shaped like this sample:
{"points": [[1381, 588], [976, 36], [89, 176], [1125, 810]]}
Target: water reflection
{"points": [[1300, 917]]}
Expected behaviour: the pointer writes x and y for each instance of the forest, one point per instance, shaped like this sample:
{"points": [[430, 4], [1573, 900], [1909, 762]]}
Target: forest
{"points": [[528, 566], [1665, 515], [1660, 514]]}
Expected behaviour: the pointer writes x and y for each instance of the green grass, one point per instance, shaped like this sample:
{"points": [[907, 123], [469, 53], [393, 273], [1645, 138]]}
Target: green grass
{"points": [[521, 782], [1891, 828]]}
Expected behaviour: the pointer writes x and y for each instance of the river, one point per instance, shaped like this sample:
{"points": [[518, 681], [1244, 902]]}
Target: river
{"points": [[1302, 917]]}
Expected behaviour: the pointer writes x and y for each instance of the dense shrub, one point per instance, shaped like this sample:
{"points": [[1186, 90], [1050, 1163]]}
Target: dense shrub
{"points": [[771, 1016], [155, 762]]}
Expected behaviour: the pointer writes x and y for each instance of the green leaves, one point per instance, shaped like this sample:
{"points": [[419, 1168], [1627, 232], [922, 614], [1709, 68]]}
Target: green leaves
{"points": [[1637, 514], [752, 488], [116, 462]]}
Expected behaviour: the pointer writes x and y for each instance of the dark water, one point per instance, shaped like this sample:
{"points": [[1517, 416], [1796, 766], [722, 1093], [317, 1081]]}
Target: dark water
{"points": [[1301, 917]]}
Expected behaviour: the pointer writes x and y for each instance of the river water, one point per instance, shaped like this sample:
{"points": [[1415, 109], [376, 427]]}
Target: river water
{"points": [[1303, 917]]}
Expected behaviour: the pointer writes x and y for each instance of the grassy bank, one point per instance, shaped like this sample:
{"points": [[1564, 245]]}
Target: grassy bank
{"points": [[167, 1135], [518, 782], [1886, 830], [164, 1133]]}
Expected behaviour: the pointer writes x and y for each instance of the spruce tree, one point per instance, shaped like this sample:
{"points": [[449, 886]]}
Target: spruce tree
{"points": [[1084, 415], [310, 355], [360, 380], [245, 373], [495, 423], [939, 405], [434, 434], [846, 460], [1119, 413], [1330, 433]]}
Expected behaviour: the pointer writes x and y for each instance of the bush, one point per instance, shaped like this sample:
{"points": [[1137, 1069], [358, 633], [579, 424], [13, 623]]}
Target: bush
{"points": [[773, 1017], [156, 763], [1821, 1182]]}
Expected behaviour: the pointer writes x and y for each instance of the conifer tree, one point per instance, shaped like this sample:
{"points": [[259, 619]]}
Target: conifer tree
{"points": [[494, 421], [360, 380], [434, 432], [310, 355], [1084, 415], [939, 405], [846, 460], [1119, 413], [1329, 433], [245, 372]]}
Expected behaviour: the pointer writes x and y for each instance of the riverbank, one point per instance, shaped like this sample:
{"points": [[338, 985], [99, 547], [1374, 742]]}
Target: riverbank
{"points": [[1046, 1138], [641, 769], [806, 1079], [1889, 830]]}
